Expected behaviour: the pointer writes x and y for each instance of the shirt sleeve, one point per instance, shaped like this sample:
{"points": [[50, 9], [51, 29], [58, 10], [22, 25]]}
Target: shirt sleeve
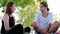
{"points": [[51, 18], [36, 18]]}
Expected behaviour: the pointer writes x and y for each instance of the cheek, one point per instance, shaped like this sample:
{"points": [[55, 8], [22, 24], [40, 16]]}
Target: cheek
{"points": [[14, 8], [41, 8]]}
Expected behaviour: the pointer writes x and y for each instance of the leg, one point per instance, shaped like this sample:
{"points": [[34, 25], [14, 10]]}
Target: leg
{"points": [[18, 29], [38, 32], [54, 27]]}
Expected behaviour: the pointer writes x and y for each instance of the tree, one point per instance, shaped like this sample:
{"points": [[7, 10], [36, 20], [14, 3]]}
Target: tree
{"points": [[27, 13], [27, 9]]}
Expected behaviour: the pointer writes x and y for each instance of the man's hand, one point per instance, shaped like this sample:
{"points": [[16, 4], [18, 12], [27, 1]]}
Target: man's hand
{"points": [[34, 25], [44, 31]]}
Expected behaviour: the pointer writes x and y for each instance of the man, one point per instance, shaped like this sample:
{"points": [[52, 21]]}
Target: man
{"points": [[43, 22]]}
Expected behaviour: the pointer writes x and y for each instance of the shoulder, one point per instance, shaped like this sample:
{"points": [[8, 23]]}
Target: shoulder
{"points": [[50, 13], [5, 16]]}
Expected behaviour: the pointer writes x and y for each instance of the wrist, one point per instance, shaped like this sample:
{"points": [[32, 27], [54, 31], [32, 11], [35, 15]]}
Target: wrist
{"points": [[41, 30]]}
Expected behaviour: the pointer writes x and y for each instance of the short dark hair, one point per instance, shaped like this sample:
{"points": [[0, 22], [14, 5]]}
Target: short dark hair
{"points": [[45, 5], [8, 9]]}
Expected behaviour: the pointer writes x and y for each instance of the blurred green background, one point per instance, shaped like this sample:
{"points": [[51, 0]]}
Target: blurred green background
{"points": [[26, 10]]}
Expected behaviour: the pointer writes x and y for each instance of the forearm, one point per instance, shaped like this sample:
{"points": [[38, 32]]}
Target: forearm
{"points": [[48, 27], [7, 29], [39, 28], [36, 26]]}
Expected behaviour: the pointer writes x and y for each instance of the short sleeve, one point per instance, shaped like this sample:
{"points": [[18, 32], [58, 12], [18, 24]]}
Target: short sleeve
{"points": [[36, 18], [51, 18]]}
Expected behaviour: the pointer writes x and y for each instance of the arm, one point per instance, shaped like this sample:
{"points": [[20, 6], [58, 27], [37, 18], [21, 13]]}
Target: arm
{"points": [[50, 22], [36, 25], [48, 27], [6, 22]]}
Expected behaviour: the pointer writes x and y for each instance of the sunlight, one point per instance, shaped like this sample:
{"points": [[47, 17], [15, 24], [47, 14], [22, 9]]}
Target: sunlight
{"points": [[54, 6]]}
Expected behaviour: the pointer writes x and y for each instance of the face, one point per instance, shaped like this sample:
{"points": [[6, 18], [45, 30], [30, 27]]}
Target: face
{"points": [[13, 8], [42, 8]]}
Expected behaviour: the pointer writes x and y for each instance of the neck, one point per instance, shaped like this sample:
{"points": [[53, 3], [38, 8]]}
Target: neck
{"points": [[45, 13]]}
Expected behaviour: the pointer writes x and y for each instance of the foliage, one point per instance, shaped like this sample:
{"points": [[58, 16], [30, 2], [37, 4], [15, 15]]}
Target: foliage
{"points": [[27, 12]]}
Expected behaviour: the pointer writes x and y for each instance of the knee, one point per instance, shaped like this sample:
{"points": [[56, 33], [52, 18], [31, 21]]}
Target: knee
{"points": [[18, 27], [56, 23]]}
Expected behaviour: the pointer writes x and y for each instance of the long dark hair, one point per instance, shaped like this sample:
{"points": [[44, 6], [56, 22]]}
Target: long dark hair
{"points": [[8, 9], [45, 5]]}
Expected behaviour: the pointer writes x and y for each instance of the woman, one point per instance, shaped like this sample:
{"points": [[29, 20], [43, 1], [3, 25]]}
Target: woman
{"points": [[8, 21], [43, 23]]}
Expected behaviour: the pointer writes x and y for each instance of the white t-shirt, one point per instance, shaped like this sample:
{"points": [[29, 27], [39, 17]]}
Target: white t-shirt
{"points": [[43, 22]]}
